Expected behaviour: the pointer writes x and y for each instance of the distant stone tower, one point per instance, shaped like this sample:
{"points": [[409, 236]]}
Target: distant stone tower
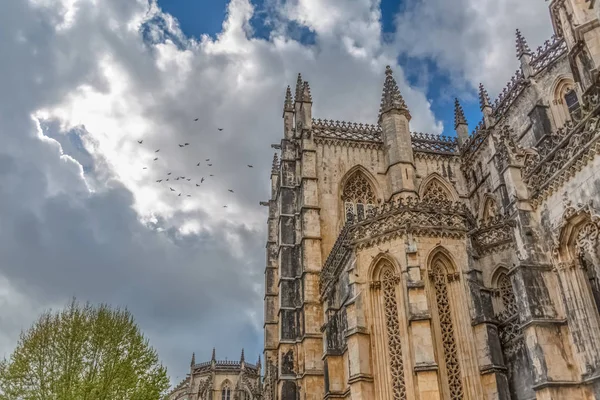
{"points": [[220, 380], [405, 265]]}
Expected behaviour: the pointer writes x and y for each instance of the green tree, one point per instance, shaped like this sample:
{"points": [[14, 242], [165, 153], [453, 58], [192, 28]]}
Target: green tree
{"points": [[83, 352]]}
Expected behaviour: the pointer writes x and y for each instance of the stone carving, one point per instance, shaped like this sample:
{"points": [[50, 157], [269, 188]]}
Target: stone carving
{"points": [[563, 152], [587, 238], [447, 328], [547, 54], [358, 196], [346, 130], [495, 234], [509, 94], [426, 142], [389, 282]]}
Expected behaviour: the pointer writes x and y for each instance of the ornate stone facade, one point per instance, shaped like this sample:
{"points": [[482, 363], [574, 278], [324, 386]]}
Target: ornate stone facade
{"points": [[220, 380], [406, 265]]}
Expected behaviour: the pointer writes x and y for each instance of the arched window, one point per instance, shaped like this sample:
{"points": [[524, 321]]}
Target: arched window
{"points": [[508, 315], [589, 258], [226, 392], [244, 395], [439, 276], [565, 102], [358, 196], [435, 192], [384, 292]]}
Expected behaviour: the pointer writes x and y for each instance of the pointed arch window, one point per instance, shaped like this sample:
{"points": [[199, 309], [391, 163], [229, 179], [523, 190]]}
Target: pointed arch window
{"points": [[358, 197], [509, 329], [435, 192], [589, 258], [439, 276], [226, 392]]}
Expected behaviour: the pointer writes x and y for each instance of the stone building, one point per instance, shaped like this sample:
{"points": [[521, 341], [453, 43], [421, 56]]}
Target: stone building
{"points": [[404, 265], [220, 380]]}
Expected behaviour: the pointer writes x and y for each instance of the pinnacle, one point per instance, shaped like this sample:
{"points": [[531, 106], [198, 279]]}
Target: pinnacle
{"points": [[522, 46], [193, 359], [275, 164], [484, 98], [299, 88], [287, 105], [242, 359], [214, 355], [391, 98], [459, 114]]}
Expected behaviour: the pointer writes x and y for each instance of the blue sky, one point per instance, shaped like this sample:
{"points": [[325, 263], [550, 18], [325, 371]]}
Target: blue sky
{"points": [[198, 17]]}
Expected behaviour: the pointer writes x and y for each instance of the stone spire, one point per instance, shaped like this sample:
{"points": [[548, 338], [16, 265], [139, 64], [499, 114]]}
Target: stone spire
{"points": [[459, 114], [288, 103], [242, 358], [522, 46], [193, 360], [299, 88], [214, 355], [484, 98], [258, 363], [391, 99]]}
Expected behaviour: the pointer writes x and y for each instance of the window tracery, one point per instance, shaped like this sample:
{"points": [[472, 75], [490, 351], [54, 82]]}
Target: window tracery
{"points": [[435, 192], [388, 283], [358, 197], [226, 392], [509, 329], [440, 284], [587, 251], [566, 101]]}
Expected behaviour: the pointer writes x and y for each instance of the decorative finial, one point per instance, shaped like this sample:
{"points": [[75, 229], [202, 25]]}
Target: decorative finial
{"points": [[299, 88], [288, 104], [275, 165], [242, 359], [459, 114], [258, 363], [484, 98], [193, 359], [391, 99], [306, 96], [522, 47], [214, 355]]}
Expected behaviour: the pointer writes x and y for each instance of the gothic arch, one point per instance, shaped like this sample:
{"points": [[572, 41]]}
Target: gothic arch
{"points": [[358, 192], [436, 182], [387, 329], [497, 274], [563, 85], [574, 224], [443, 276]]}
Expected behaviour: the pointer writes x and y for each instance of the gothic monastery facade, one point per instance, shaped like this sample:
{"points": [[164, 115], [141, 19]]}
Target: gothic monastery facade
{"points": [[403, 265]]}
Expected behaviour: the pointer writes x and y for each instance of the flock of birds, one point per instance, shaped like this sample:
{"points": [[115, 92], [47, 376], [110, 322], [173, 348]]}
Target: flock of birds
{"points": [[171, 178]]}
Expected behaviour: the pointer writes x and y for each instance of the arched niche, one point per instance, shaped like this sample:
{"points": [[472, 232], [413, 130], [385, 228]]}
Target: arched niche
{"points": [[489, 208], [564, 99]]}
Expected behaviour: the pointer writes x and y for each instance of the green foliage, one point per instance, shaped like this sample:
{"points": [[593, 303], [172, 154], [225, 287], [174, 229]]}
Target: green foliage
{"points": [[83, 353]]}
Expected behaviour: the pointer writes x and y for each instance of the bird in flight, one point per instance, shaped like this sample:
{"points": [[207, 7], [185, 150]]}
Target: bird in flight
{"points": [[231, 190], [250, 166], [181, 145], [188, 179], [196, 119], [140, 141], [197, 165], [167, 179], [186, 144], [157, 151], [177, 178], [208, 159], [189, 195], [224, 206], [179, 195], [197, 185], [211, 175], [145, 168], [220, 129], [172, 190], [169, 173], [210, 165], [156, 159], [202, 180], [159, 181], [182, 177]]}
